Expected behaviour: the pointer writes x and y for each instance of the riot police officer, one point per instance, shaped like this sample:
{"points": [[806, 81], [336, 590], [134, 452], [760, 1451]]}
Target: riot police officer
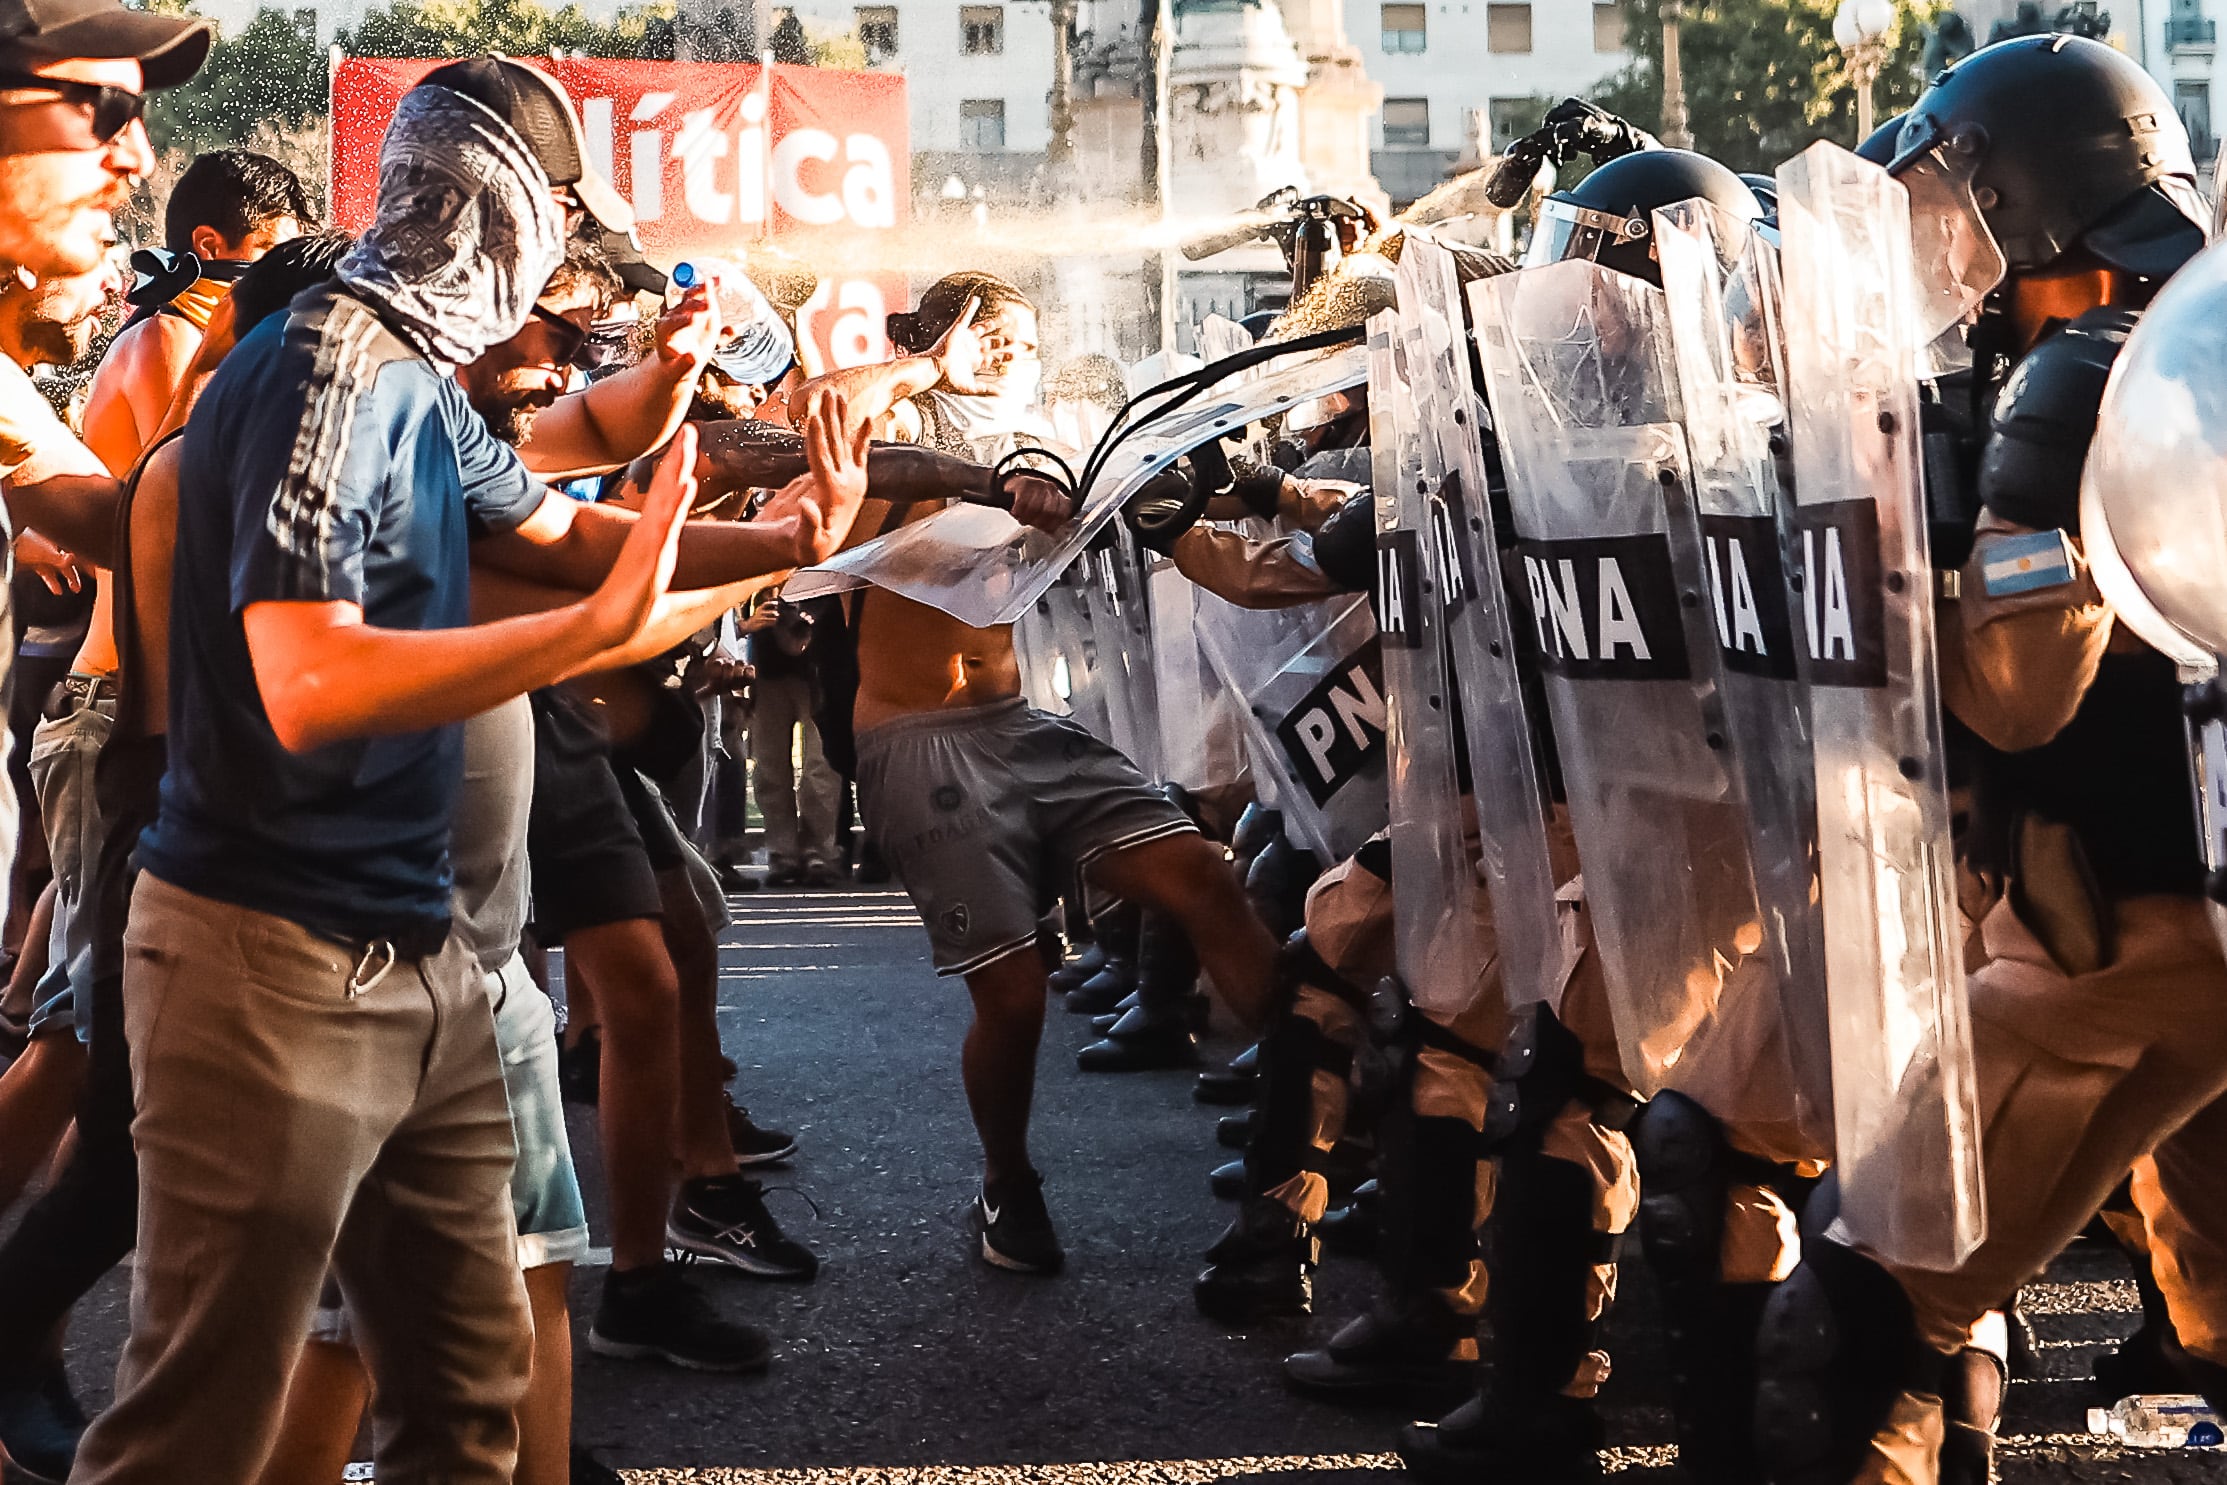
{"points": [[2062, 165]]}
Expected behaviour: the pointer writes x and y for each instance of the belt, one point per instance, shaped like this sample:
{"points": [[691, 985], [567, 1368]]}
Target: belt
{"points": [[77, 691]]}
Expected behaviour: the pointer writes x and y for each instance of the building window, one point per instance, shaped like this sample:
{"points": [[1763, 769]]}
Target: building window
{"points": [[1407, 123], [982, 31], [2193, 101], [982, 124], [1512, 118], [877, 33], [1406, 29], [1508, 28], [1608, 28]]}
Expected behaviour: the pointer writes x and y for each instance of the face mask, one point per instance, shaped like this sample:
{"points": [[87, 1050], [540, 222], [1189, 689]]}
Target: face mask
{"points": [[1008, 408]]}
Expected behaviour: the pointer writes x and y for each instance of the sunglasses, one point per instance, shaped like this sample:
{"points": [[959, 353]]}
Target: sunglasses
{"points": [[568, 338], [111, 110]]}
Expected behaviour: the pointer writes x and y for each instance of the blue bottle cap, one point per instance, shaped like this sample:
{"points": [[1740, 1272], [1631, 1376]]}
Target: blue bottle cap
{"points": [[2205, 1435], [684, 274]]}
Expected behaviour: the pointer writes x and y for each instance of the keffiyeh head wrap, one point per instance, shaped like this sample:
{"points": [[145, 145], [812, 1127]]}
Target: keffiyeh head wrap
{"points": [[466, 231]]}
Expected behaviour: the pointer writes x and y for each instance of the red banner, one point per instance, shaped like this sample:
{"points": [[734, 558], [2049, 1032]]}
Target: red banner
{"points": [[707, 152]]}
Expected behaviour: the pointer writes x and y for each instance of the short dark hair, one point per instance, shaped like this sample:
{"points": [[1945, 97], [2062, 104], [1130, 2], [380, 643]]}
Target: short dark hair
{"points": [[272, 281], [232, 192], [586, 263]]}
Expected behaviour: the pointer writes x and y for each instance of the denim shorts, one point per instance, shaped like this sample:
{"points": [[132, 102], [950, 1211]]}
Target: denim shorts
{"points": [[545, 1188]]}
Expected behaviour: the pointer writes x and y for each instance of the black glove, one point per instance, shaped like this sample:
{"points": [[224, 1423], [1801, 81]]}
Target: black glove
{"points": [[1164, 507], [2045, 418], [1345, 545], [1260, 486]]}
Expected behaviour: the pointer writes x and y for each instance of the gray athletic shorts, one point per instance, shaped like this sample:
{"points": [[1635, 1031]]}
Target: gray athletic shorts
{"points": [[986, 814]]}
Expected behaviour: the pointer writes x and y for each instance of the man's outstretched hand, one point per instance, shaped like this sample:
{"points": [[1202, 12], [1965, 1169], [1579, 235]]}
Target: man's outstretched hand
{"points": [[824, 502]]}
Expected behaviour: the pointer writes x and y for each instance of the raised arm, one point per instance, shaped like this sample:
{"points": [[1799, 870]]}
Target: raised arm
{"points": [[634, 411]]}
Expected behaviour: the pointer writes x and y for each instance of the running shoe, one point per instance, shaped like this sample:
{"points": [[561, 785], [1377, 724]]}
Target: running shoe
{"points": [[653, 1314], [754, 1143], [1014, 1227], [724, 1219]]}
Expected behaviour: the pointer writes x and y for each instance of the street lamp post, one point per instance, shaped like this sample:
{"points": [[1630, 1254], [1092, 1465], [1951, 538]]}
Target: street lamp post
{"points": [[1860, 29], [1675, 132]]}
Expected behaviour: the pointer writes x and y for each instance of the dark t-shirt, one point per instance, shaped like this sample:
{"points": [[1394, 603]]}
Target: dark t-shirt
{"points": [[327, 461]]}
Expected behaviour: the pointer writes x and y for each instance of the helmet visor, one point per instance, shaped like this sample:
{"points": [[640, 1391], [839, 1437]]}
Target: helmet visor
{"points": [[1958, 259], [1568, 230]]}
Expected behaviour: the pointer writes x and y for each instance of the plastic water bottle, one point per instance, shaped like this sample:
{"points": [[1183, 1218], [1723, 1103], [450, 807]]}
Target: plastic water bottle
{"points": [[731, 289], [2160, 1420]]}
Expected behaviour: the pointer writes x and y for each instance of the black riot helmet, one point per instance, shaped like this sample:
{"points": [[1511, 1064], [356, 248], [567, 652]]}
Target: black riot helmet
{"points": [[1879, 146], [2060, 143], [1609, 215], [1766, 189]]}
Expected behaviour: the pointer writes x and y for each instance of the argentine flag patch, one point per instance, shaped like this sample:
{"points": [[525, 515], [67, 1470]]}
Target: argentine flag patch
{"points": [[2021, 564]]}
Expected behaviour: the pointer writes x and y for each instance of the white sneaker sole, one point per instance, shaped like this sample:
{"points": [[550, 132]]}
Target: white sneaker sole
{"points": [[756, 1268]]}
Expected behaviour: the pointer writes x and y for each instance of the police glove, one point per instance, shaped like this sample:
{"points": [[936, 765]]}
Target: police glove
{"points": [[1164, 507]]}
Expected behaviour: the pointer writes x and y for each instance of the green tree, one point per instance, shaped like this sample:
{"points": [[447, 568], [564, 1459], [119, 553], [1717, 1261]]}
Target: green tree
{"points": [[519, 28], [271, 73], [1763, 78]]}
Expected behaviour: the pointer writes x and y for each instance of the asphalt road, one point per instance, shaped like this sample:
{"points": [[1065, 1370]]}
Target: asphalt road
{"points": [[909, 1361]]}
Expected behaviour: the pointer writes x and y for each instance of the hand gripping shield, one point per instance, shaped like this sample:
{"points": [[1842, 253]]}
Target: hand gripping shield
{"points": [[2153, 518], [982, 567], [1576, 366], [1720, 285], [1906, 1124], [1458, 534], [1434, 884], [1310, 684]]}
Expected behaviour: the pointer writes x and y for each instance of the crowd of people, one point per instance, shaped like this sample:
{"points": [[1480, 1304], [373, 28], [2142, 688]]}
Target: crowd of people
{"points": [[396, 610]]}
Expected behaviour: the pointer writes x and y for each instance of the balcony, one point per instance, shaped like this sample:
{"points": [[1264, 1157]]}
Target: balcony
{"points": [[2190, 33]]}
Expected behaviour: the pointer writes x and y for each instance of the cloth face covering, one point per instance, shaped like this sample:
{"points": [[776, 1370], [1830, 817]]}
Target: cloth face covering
{"points": [[466, 232]]}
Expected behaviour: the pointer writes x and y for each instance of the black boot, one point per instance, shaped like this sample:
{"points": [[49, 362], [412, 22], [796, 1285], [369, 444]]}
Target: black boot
{"points": [[1220, 1087], [1410, 1347], [1075, 972], [1117, 935], [1261, 1268], [1352, 1230], [1546, 1440], [1234, 1131], [1156, 1031]]}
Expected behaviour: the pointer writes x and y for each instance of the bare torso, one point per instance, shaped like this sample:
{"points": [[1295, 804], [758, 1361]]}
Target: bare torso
{"points": [[913, 658]]}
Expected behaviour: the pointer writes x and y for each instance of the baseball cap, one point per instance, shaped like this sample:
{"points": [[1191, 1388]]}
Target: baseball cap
{"points": [[635, 271], [169, 48], [540, 114]]}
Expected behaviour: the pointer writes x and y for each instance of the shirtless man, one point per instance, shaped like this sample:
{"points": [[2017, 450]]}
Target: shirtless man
{"points": [[985, 807]]}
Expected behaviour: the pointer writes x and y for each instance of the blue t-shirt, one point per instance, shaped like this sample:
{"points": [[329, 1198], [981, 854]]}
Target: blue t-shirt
{"points": [[326, 461]]}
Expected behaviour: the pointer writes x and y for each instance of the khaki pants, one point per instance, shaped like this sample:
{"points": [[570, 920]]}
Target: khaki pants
{"points": [[2081, 1078], [798, 802], [284, 1123]]}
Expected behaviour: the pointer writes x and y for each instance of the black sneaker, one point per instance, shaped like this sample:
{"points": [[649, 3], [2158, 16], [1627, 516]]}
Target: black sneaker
{"points": [[653, 1314], [580, 1068], [589, 1470], [1016, 1230], [39, 1430], [754, 1143], [725, 1219]]}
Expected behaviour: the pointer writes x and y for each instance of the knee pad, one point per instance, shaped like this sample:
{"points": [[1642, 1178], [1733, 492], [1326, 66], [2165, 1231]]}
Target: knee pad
{"points": [[1684, 1179], [1837, 1344], [1540, 1069], [1256, 826]]}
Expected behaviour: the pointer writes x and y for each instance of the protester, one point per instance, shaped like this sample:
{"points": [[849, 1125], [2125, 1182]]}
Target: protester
{"points": [[331, 864]]}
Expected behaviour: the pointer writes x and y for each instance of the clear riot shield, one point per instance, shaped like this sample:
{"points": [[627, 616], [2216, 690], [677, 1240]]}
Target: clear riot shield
{"points": [[1121, 625], [984, 568], [1187, 693], [1576, 367], [1434, 927], [1906, 1123], [1056, 641], [1310, 683], [1509, 794], [1720, 286]]}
